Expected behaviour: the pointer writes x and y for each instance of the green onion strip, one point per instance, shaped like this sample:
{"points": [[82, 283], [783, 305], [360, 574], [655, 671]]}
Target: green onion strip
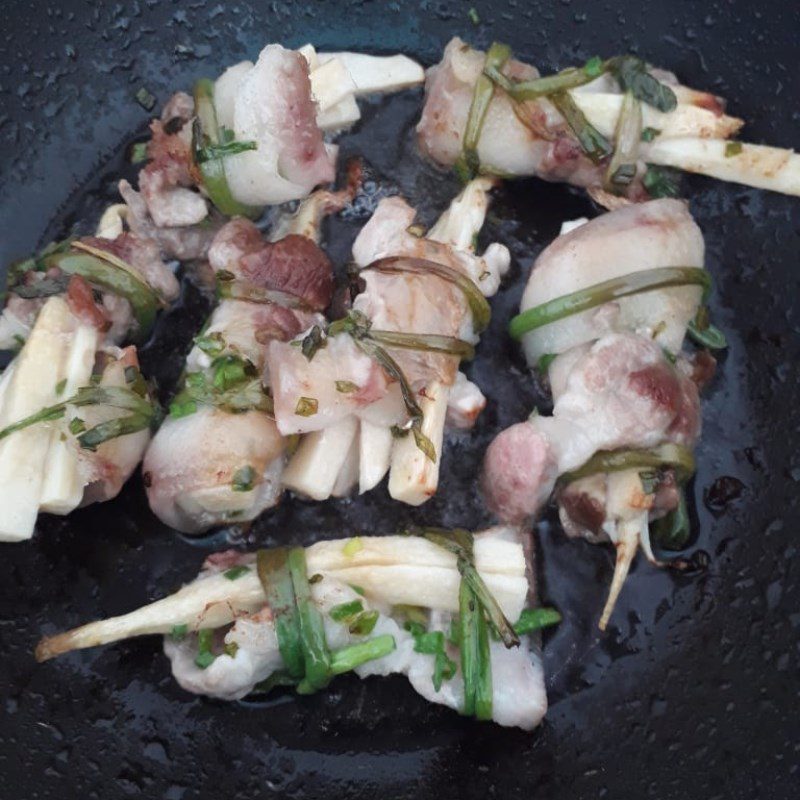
{"points": [[309, 664], [606, 292]]}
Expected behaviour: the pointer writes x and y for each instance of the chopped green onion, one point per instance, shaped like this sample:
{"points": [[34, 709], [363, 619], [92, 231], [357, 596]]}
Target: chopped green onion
{"points": [[179, 632], [316, 655], [138, 152], [346, 611], [145, 98], [306, 406], [60, 386], [206, 133], [212, 344], [606, 292], [182, 408], [352, 546], [666, 455], [214, 151], [534, 619], [364, 623], [732, 149], [236, 572], [276, 580], [238, 289], [433, 643], [312, 341], [473, 16], [648, 134], [348, 658], [347, 387], [548, 85], [243, 479], [76, 426], [205, 655], [672, 531], [592, 142], [476, 665], [544, 362], [661, 182]]}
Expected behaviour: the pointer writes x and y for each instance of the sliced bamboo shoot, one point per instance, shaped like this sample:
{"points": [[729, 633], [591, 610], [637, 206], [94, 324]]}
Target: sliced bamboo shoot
{"points": [[347, 478], [755, 165], [342, 115], [111, 223], [38, 369], [413, 477], [314, 468], [63, 484], [603, 110], [393, 570], [330, 84], [378, 73], [464, 217], [375, 452]]}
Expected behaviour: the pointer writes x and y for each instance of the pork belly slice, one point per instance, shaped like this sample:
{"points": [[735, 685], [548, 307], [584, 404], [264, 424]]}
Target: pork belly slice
{"points": [[691, 137], [389, 571]]}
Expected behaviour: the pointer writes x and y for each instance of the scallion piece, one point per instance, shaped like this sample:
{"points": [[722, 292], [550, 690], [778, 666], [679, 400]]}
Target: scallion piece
{"points": [[483, 687], [672, 531], [276, 580], [106, 274], [534, 619], [673, 456], [316, 655], [236, 289], [702, 332], [622, 167], [535, 88], [468, 163], [592, 142], [606, 292], [206, 135], [348, 658], [234, 573], [425, 342], [205, 655]]}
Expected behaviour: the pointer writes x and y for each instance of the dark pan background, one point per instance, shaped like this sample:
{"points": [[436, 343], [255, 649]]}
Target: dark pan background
{"points": [[693, 691]]}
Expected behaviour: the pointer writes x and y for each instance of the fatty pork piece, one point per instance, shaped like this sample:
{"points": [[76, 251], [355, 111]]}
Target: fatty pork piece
{"points": [[384, 605], [115, 284], [219, 456], [346, 400], [618, 377], [266, 121], [522, 137]]}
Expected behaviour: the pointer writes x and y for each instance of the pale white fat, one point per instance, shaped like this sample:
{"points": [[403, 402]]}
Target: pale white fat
{"points": [[465, 402], [660, 233]]}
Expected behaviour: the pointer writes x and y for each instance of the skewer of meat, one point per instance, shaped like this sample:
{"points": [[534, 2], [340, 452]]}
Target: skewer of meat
{"points": [[421, 605], [219, 456], [608, 126], [373, 395], [75, 412], [604, 314], [250, 139]]}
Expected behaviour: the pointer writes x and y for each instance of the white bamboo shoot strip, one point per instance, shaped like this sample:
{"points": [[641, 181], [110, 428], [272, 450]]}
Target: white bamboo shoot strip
{"points": [[413, 477], [375, 452], [394, 570], [344, 114], [314, 468], [38, 368], [330, 84], [755, 165], [603, 110], [62, 487], [373, 74], [348, 474]]}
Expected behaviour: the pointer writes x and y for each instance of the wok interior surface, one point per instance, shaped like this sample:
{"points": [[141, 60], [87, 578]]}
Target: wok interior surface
{"points": [[692, 693]]}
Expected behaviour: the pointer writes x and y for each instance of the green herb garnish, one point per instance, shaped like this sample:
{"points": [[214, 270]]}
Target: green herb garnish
{"points": [[243, 479], [145, 99], [205, 642], [732, 149], [534, 619], [236, 572], [306, 406], [179, 632], [648, 134]]}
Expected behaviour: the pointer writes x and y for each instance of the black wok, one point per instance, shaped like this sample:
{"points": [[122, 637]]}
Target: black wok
{"points": [[691, 694]]}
